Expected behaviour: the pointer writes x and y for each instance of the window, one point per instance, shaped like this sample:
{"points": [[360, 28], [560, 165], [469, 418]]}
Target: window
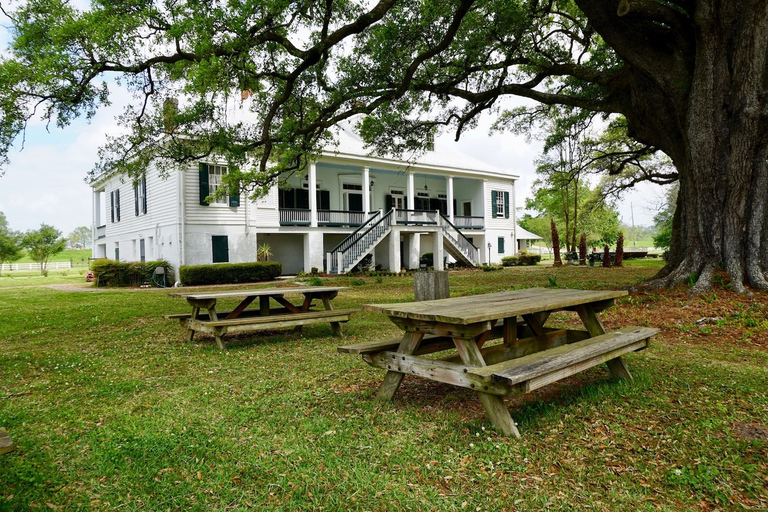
{"points": [[501, 245], [140, 196], [220, 246], [210, 181], [500, 204], [114, 198]]}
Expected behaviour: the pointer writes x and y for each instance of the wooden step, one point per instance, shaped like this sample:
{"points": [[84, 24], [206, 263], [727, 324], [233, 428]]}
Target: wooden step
{"points": [[539, 369]]}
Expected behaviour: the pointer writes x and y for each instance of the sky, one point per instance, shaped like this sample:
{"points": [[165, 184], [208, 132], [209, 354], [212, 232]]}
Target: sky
{"points": [[44, 183]]}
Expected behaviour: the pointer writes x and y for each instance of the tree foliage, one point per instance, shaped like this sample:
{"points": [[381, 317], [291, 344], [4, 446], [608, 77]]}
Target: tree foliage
{"points": [[688, 78], [44, 243], [79, 238], [10, 242]]}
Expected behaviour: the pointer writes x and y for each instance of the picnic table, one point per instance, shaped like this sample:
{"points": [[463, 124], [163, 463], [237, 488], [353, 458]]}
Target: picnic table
{"points": [[529, 356], [205, 318]]}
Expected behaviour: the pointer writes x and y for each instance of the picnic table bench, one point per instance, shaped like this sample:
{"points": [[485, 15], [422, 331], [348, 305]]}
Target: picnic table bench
{"points": [[205, 318], [530, 355]]}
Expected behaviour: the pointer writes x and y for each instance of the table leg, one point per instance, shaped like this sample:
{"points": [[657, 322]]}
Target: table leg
{"points": [[595, 328], [218, 332], [393, 378], [494, 405], [335, 326]]}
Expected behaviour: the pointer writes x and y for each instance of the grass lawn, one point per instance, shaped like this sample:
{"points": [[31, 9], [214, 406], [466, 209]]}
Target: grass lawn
{"points": [[109, 409]]}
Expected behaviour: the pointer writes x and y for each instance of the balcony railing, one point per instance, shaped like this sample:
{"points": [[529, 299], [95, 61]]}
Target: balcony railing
{"points": [[302, 217], [467, 222], [417, 217], [294, 217]]}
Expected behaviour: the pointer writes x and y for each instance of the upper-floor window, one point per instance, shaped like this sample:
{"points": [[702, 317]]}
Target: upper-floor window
{"points": [[210, 181], [140, 196], [500, 204]]}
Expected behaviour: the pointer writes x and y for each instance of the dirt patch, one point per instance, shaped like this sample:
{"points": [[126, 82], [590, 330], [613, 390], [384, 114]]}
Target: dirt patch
{"points": [[750, 431]]}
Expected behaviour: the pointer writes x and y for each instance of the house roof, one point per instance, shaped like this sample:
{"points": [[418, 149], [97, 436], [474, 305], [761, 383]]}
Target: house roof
{"points": [[522, 234], [350, 146]]}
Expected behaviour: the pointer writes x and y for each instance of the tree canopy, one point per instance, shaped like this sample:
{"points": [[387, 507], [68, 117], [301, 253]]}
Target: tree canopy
{"points": [[44, 243], [687, 75]]}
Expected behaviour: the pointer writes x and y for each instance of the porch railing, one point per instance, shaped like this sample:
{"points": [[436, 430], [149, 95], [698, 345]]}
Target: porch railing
{"points": [[468, 222], [295, 217], [342, 218], [417, 217]]}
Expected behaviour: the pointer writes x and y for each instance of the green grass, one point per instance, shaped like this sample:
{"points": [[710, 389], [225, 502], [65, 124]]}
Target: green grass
{"points": [[76, 256], [111, 410]]}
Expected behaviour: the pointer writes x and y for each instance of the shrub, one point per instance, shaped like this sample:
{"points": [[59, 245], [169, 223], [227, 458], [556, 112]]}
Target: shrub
{"points": [[113, 273], [491, 268], [427, 259], [523, 259], [229, 273]]}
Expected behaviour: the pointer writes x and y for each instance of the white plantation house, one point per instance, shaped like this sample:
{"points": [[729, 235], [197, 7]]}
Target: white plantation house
{"points": [[450, 205]]}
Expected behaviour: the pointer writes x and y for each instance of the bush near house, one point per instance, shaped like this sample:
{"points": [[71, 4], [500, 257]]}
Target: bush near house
{"points": [[230, 273], [113, 273], [521, 260]]}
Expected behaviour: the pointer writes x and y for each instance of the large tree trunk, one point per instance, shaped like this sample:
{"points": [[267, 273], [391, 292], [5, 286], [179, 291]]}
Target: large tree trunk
{"points": [[705, 106]]}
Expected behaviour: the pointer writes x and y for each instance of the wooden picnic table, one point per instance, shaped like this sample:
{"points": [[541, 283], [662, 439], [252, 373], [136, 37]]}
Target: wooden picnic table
{"points": [[529, 356], [205, 318]]}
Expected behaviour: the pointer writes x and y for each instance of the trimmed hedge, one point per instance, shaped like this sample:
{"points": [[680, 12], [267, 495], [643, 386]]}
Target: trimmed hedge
{"points": [[229, 273], [111, 273], [521, 261]]}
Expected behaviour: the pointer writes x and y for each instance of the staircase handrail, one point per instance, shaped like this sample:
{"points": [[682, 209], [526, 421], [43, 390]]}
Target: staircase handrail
{"points": [[350, 240], [467, 240]]}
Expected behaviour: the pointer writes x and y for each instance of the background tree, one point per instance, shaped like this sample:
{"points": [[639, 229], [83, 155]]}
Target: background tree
{"points": [[555, 243], [538, 226], [79, 238], [10, 247], [663, 220], [688, 77], [583, 249], [42, 244], [619, 257]]}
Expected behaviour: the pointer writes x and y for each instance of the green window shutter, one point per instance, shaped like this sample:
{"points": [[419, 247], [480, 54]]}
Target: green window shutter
{"points": [[144, 188], [388, 202], [324, 199], [493, 203], [136, 199], [112, 206], [506, 205], [117, 201], [501, 245], [220, 246], [203, 184], [234, 200]]}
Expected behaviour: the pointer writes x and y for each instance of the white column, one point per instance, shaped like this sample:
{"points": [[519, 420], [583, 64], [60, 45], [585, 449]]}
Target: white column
{"points": [[394, 251], [449, 189], [313, 251], [438, 255], [313, 195], [366, 191], [411, 192], [413, 248]]}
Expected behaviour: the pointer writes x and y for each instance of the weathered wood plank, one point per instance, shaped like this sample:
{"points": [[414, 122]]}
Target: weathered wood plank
{"points": [[494, 405], [392, 379], [479, 308], [434, 369], [542, 363], [6, 444], [259, 292], [336, 315], [573, 369]]}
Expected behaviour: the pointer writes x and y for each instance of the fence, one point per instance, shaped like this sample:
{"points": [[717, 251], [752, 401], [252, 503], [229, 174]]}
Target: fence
{"points": [[54, 265]]}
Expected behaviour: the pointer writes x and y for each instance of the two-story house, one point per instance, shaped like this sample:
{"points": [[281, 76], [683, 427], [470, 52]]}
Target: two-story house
{"points": [[447, 204]]}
